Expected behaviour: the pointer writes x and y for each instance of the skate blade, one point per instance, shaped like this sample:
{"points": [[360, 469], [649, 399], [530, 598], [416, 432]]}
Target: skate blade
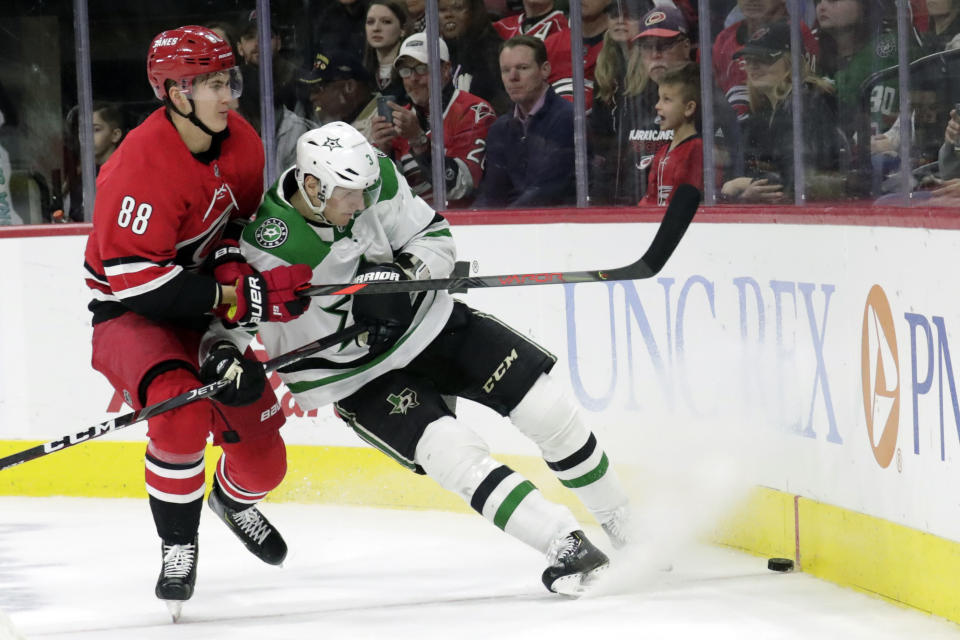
{"points": [[576, 584], [174, 607]]}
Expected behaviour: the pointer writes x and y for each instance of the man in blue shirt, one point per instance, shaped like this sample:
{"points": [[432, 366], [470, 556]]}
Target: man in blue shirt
{"points": [[530, 158]]}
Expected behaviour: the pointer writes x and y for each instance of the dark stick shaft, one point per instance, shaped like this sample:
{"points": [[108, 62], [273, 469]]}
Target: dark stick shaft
{"points": [[206, 391], [677, 218]]}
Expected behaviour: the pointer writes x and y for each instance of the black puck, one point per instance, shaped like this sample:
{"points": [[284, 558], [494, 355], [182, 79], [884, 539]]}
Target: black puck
{"points": [[780, 564]]}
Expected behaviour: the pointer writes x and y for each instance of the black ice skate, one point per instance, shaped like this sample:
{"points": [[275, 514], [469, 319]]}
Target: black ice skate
{"points": [[254, 531], [178, 574], [575, 564]]}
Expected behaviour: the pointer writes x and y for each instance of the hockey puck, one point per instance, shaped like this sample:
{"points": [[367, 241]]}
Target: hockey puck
{"points": [[780, 564]]}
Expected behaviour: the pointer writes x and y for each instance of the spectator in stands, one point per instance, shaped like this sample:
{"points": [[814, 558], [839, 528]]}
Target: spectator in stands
{"points": [[620, 172], [619, 81], [855, 41], [337, 25], [406, 138], [224, 30], [341, 89], [943, 24], [417, 10], [768, 132], [728, 70], [540, 18], [387, 25], [474, 50], [596, 19], [681, 161], [8, 216], [530, 160], [109, 127], [285, 73], [288, 125]]}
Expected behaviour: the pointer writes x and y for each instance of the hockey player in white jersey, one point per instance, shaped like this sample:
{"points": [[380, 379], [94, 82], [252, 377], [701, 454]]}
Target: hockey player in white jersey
{"points": [[347, 213]]}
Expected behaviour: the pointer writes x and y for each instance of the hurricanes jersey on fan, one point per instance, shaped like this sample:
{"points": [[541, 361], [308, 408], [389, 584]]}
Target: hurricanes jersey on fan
{"points": [[399, 222]]}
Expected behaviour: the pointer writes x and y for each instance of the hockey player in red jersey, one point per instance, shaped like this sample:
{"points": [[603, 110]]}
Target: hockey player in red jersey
{"points": [[165, 200]]}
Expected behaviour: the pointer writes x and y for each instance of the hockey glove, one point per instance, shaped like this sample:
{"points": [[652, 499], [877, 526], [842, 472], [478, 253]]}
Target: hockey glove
{"points": [[270, 296], [228, 264], [386, 315], [247, 377]]}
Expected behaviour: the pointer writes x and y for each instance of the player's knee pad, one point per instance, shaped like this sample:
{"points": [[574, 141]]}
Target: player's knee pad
{"points": [[548, 416], [453, 455], [181, 430], [252, 466]]}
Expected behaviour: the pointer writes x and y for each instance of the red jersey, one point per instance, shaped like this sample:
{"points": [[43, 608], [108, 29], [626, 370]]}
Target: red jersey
{"points": [[672, 167], [730, 74], [561, 70], [160, 211], [513, 26], [466, 121]]}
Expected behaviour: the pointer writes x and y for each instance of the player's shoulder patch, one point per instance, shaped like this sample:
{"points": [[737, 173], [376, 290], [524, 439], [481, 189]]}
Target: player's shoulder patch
{"points": [[271, 233]]}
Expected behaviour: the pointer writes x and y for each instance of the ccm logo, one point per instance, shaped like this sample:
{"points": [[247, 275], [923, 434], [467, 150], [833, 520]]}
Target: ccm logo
{"points": [[377, 276], [92, 432], [500, 372], [532, 277]]}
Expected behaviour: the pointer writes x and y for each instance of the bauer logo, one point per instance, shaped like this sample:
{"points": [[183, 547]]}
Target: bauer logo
{"points": [[880, 376], [272, 233]]}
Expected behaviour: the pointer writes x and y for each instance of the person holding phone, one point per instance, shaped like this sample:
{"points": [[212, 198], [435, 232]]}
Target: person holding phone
{"points": [[404, 133], [948, 193], [340, 89]]}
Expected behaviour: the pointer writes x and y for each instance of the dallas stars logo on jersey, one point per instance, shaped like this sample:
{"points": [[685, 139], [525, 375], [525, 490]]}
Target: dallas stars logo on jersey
{"points": [[404, 402], [272, 233]]}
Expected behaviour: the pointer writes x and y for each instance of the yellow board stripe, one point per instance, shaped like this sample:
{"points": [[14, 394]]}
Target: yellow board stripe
{"points": [[898, 563]]}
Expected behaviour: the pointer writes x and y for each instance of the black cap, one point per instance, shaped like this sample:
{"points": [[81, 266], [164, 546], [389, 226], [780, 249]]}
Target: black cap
{"points": [[335, 66], [770, 40]]}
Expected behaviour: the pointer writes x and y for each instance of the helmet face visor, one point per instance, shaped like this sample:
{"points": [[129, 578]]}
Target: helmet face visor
{"points": [[372, 194], [213, 86]]}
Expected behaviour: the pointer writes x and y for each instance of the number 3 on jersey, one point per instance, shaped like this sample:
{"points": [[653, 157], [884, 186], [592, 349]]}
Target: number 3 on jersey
{"points": [[140, 220]]}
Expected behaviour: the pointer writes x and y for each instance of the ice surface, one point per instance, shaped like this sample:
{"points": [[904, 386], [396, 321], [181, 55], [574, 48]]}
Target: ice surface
{"points": [[83, 569]]}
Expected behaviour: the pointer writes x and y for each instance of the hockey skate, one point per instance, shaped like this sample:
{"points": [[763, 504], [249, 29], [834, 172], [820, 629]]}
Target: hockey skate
{"points": [[178, 574], [617, 528], [575, 564], [255, 531]]}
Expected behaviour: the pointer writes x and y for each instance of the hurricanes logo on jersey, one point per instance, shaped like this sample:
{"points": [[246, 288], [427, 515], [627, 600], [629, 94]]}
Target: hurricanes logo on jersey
{"points": [[402, 403], [482, 110], [272, 233]]}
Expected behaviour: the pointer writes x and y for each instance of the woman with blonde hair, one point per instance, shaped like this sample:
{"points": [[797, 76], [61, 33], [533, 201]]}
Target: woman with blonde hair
{"points": [[767, 135]]}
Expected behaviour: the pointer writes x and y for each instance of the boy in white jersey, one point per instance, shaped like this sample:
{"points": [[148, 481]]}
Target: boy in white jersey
{"points": [[348, 214]]}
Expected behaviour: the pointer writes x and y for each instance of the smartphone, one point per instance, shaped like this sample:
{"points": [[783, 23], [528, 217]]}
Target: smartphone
{"points": [[383, 109]]}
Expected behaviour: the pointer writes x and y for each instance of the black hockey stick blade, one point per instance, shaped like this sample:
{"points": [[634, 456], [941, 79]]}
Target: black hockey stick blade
{"points": [[206, 391], [675, 221]]}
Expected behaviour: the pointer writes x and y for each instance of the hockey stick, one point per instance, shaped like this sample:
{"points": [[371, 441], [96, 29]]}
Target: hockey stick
{"points": [[675, 221], [175, 402]]}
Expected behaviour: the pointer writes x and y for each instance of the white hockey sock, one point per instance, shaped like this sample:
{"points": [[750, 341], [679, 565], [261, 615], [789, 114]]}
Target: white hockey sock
{"points": [[460, 461], [548, 417]]}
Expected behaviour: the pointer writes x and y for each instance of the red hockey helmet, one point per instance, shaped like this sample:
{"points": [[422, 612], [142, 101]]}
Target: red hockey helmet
{"points": [[182, 54]]}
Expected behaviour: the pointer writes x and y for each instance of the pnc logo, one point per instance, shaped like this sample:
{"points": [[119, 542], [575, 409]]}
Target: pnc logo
{"points": [[880, 376]]}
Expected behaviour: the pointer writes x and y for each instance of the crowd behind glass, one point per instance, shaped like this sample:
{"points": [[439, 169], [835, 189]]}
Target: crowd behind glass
{"points": [[799, 101]]}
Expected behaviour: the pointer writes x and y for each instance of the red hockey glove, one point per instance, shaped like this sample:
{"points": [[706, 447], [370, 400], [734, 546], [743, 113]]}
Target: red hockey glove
{"points": [[228, 264], [270, 296]]}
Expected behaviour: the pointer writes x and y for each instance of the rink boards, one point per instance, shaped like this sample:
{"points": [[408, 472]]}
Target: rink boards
{"points": [[789, 388]]}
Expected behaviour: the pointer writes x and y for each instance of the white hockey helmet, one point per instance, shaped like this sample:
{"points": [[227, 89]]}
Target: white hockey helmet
{"points": [[337, 155]]}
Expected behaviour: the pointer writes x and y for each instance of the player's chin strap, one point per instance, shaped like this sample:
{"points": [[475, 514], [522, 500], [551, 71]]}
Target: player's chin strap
{"points": [[192, 116]]}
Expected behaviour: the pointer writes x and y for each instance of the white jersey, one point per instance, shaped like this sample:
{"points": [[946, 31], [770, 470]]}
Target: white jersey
{"points": [[399, 222]]}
